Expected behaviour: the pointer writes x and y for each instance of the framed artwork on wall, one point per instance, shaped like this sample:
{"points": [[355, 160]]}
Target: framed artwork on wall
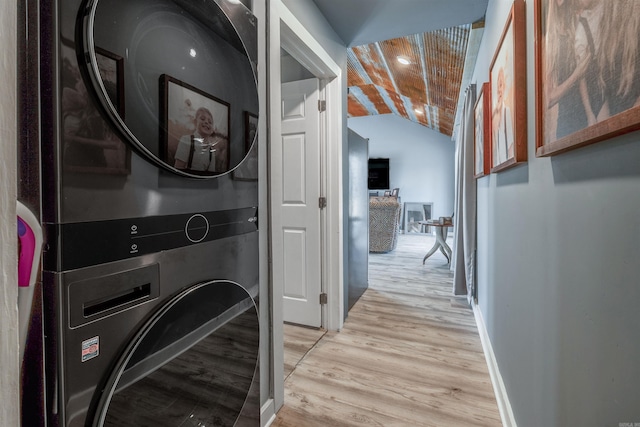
{"points": [[587, 72], [195, 128], [508, 83], [481, 135]]}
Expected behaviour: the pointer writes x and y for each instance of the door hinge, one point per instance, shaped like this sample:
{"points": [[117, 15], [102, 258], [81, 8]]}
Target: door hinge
{"points": [[323, 298], [322, 202], [322, 106]]}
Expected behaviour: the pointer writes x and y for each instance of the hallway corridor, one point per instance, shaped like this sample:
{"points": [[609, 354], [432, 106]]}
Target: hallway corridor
{"points": [[409, 354]]}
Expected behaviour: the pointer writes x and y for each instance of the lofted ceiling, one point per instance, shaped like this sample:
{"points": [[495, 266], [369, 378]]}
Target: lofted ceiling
{"points": [[433, 36], [424, 89]]}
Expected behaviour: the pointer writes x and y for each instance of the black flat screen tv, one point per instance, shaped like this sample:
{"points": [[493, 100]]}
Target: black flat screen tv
{"points": [[379, 174]]}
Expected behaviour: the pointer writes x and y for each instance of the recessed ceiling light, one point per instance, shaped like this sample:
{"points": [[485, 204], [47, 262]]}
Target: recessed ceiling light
{"points": [[403, 60]]}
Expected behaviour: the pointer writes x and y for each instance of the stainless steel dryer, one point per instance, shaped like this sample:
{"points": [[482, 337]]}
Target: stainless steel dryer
{"points": [[149, 111]]}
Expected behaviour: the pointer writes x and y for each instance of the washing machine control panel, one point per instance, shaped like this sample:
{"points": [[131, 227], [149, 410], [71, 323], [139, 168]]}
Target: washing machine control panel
{"points": [[197, 228], [92, 243]]}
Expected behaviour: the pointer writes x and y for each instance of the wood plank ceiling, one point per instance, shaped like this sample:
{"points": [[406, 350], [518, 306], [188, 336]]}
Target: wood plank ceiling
{"points": [[424, 90]]}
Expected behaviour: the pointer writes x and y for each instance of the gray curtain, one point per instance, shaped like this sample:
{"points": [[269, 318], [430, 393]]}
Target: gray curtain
{"points": [[464, 219]]}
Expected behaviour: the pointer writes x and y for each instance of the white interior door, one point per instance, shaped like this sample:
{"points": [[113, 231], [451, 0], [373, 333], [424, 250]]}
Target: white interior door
{"points": [[297, 253]]}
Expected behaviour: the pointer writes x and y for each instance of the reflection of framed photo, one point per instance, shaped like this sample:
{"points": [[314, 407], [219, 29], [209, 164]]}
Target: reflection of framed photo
{"points": [[481, 133], [250, 129], [111, 68], [587, 73], [248, 169], [90, 145], [195, 128], [508, 83]]}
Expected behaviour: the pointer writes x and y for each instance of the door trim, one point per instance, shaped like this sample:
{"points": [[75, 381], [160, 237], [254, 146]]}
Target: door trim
{"points": [[286, 30]]}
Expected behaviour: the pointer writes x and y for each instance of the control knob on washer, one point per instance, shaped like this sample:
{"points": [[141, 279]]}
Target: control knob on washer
{"points": [[197, 228]]}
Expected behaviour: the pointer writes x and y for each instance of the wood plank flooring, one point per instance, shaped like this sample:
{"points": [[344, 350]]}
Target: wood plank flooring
{"points": [[297, 342], [409, 354]]}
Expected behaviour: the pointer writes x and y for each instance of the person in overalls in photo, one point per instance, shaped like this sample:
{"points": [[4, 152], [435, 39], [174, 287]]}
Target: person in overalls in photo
{"points": [[198, 152]]}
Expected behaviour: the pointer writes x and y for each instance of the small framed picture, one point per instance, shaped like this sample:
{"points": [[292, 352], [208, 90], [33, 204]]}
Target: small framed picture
{"points": [[195, 128], [508, 83], [481, 133]]}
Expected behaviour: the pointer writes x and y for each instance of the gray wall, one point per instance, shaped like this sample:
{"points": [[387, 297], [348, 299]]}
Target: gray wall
{"points": [[357, 211], [421, 161], [291, 70], [558, 243], [314, 21]]}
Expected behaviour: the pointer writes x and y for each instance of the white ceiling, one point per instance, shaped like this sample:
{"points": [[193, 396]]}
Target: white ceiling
{"points": [[360, 22]]}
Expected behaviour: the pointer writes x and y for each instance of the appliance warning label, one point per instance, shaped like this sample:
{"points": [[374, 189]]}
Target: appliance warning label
{"points": [[90, 348]]}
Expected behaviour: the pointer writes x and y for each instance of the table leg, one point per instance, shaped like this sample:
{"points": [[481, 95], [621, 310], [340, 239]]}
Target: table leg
{"points": [[444, 242], [441, 243], [446, 254], [433, 250], [441, 236]]}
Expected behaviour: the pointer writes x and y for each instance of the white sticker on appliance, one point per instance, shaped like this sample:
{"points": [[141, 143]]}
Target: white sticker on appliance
{"points": [[90, 348]]}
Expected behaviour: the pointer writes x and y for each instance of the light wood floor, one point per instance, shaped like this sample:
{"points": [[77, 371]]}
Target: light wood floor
{"points": [[298, 341], [409, 354]]}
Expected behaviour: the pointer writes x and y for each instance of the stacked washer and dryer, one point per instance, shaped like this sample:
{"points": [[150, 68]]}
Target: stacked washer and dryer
{"points": [[149, 195]]}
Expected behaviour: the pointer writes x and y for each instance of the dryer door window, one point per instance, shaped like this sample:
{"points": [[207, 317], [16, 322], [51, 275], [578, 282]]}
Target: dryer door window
{"points": [[193, 363], [184, 73]]}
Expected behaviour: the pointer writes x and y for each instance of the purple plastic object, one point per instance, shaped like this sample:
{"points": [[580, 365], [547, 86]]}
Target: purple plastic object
{"points": [[29, 247], [27, 252]]}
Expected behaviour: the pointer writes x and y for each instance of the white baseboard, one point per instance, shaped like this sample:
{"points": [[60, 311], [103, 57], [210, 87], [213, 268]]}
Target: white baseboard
{"points": [[506, 413], [267, 413]]}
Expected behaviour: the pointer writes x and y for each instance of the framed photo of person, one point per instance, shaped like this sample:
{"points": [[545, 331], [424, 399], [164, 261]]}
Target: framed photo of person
{"points": [[248, 168], [89, 143], [194, 129], [481, 132], [508, 83], [587, 72]]}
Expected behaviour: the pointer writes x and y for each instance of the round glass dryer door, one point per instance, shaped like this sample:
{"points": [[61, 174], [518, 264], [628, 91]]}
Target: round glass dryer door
{"points": [[177, 78], [194, 363]]}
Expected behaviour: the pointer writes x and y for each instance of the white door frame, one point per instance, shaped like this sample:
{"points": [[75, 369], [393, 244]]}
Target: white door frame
{"points": [[286, 31]]}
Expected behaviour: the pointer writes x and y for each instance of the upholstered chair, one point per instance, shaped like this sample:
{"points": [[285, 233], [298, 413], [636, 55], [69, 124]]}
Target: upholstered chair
{"points": [[384, 221]]}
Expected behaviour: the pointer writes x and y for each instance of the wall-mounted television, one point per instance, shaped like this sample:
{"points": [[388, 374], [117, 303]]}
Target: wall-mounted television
{"points": [[379, 174]]}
